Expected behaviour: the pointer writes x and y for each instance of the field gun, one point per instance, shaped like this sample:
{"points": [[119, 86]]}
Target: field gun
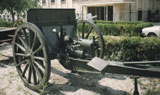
{"points": [[77, 44]]}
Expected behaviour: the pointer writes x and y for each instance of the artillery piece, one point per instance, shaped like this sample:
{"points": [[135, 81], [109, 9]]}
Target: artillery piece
{"points": [[54, 34]]}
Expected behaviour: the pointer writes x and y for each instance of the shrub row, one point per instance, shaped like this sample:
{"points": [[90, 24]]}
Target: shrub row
{"points": [[132, 48], [124, 28], [119, 22], [5, 23]]}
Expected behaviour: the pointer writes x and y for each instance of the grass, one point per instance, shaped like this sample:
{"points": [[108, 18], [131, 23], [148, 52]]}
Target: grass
{"points": [[150, 86], [12, 74], [43, 90]]}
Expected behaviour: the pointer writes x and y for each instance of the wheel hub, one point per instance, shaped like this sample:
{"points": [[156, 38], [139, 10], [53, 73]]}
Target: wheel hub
{"points": [[29, 55]]}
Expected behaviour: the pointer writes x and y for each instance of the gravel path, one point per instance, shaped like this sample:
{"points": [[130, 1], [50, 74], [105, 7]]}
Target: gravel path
{"points": [[62, 82]]}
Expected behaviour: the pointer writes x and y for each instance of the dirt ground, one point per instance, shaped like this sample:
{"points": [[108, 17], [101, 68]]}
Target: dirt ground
{"points": [[62, 82]]}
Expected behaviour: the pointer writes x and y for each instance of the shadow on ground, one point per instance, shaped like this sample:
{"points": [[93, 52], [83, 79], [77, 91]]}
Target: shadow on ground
{"points": [[8, 61], [85, 81], [76, 84], [6, 57]]}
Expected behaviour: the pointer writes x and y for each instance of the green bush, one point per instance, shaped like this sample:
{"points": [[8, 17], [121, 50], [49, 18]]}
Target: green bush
{"points": [[125, 44], [132, 48], [5, 23], [119, 22], [122, 28]]}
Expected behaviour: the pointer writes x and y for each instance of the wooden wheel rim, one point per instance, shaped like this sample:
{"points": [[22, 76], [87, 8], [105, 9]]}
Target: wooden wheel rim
{"points": [[98, 32], [27, 53]]}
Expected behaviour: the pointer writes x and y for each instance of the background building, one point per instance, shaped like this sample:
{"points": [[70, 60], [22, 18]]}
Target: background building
{"points": [[111, 10], [5, 16]]}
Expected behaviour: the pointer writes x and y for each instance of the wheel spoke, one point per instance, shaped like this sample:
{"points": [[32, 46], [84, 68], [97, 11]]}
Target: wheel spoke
{"points": [[39, 58], [21, 47], [25, 69], [37, 50], [96, 38], [22, 41], [29, 38], [90, 30], [39, 73], [20, 54], [40, 66], [34, 41], [22, 62], [34, 75], [83, 29], [26, 37], [29, 74], [98, 51]]}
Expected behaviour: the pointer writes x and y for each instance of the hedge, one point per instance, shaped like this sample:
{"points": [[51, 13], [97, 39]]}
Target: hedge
{"points": [[132, 48], [119, 22], [122, 28], [5, 23]]}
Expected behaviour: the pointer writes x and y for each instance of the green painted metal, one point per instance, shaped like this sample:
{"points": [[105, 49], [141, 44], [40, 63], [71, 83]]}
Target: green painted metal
{"points": [[49, 21], [53, 34], [78, 45], [62, 37], [143, 69]]}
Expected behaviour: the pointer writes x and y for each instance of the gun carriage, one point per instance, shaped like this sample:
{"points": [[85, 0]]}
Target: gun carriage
{"points": [[54, 34]]}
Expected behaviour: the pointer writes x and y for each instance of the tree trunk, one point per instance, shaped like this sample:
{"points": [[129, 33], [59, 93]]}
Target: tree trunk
{"points": [[12, 13]]}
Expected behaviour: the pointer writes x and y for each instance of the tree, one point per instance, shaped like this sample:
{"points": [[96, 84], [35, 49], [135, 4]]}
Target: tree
{"points": [[17, 6]]}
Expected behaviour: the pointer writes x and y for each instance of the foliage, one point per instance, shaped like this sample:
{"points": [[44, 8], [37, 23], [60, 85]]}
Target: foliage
{"points": [[43, 91], [5, 24], [121, 28], [118, 22], [17, 6], [132, 48], [149, 86]]}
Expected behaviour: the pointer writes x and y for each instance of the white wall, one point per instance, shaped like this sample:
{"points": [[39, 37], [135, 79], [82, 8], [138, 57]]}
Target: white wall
{"points": [[121, 10]]}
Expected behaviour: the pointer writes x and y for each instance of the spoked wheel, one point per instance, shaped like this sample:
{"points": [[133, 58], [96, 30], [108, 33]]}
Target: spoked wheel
{"points": [[88, 30], [31, 56]]}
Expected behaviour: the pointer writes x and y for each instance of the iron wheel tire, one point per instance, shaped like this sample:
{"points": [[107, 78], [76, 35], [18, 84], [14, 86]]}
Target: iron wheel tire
{"points": [[31, 56]]}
